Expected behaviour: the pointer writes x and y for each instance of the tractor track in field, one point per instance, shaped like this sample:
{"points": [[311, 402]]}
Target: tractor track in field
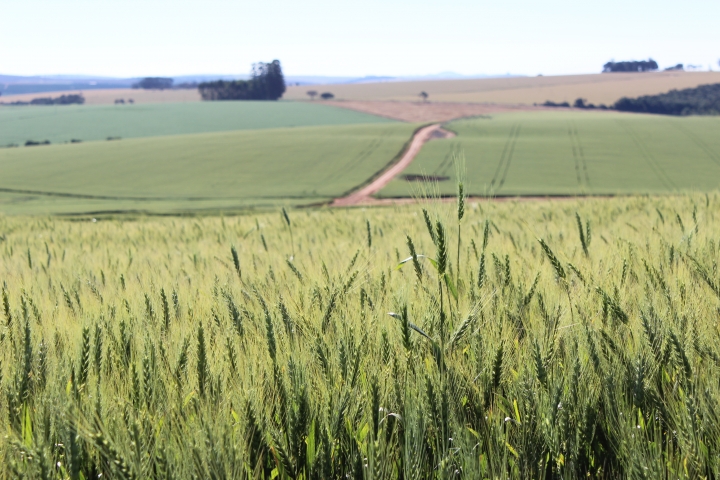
{"points": [[576, 159], [505, 158], [365, 193], [712, 155], [444, 166], [581, 168], [509, 157], [649, 157]]}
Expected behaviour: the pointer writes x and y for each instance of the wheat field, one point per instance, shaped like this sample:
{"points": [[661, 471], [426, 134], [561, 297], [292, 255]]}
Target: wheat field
{"points": [[596, 88], [559, 339]]}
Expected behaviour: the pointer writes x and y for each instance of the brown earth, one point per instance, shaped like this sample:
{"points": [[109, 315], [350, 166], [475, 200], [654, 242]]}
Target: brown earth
{"points": [[598, 88], [422, 112]]}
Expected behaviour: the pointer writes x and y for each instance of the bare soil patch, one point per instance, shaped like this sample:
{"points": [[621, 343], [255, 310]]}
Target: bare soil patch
{"points": [[421, 112], [414, 177]]}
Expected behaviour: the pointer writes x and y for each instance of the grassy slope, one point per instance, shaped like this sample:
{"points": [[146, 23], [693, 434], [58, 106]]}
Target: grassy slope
{"points": [[63, 123], [575, 153], [598, 88], [212, 170]]}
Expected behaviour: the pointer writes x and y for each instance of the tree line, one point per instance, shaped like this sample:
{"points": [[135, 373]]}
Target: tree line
{"points": [[578, 103], [163, 83], [71, 99], [649, 65], [154, 83], [266, 83], [701, 100], [325, 95]]}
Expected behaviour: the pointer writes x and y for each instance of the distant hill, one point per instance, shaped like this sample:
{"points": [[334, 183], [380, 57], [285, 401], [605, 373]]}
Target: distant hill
{"points": [[17, 84], [321, 80], [18, 89], [513, 90]]}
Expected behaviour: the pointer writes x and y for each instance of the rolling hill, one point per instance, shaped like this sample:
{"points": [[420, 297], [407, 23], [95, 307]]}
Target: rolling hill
{"points": [[83, 122], [571, 153], [596, 88]]}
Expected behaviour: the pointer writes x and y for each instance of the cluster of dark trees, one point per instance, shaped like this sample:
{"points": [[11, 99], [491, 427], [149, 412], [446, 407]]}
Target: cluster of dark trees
{"points": [[702, 100], [266, 83], [582, 103], [76, 99], [550, 103], [163, 83], [325, 95], [678, 67], [578, 103], [649, 65], [35, 143], [154, 83]]}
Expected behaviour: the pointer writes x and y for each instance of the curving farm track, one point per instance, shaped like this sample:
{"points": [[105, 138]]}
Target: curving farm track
{"points": [[363, 196]]}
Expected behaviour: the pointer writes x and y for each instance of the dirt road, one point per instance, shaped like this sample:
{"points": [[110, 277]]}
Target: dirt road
{"points": [[364, 195]]}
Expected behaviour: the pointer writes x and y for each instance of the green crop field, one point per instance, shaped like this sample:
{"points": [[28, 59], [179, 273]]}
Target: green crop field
{"points": [[60, 124], [571, 153], [210, 171], [560, 339]]}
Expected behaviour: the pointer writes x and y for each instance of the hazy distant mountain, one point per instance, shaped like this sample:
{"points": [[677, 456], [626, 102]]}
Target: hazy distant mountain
{"points": [[372, 79], [15, 84], [207, 78], [315, 80], [320, 80], [63, 79], [452, 76]]}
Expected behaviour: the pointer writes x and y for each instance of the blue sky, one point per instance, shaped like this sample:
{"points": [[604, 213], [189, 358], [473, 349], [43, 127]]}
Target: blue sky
{"points": [[344, 38]]}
